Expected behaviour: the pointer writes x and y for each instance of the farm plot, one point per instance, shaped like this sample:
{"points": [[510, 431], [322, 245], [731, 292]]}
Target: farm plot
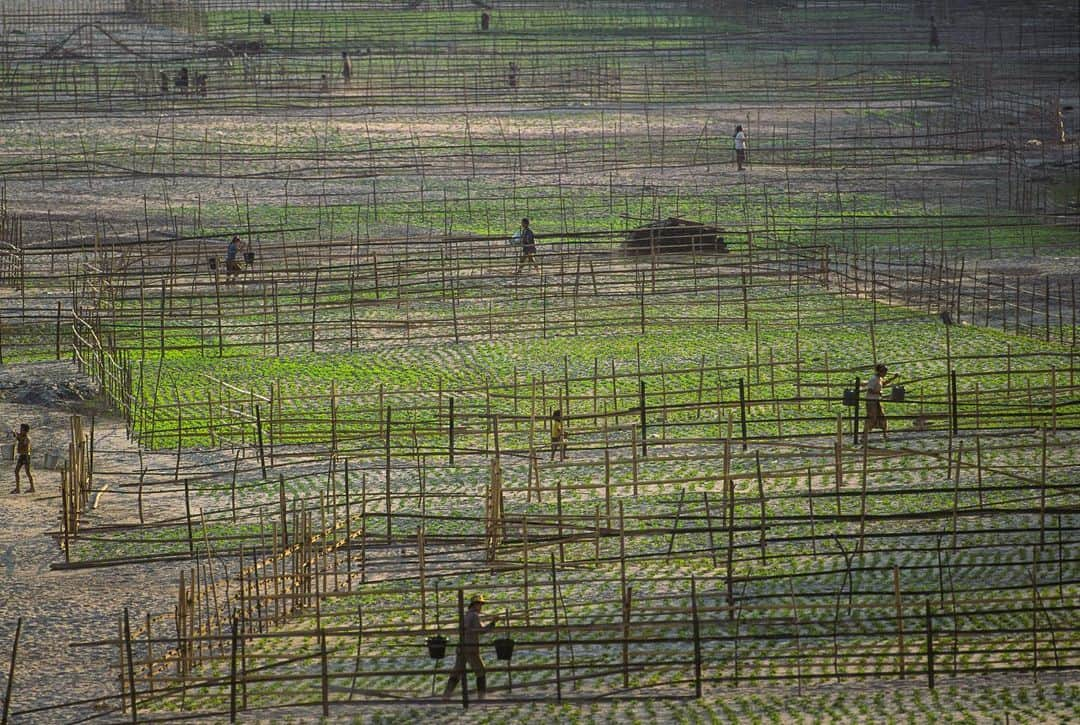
{"points": [[791, 595], [338, 443]]}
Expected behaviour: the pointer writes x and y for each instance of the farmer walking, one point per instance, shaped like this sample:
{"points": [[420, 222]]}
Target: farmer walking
{"points": [[740, 147], [875, 416], [469, 650], [528, 248], [232, 264], [22, 453], [346, 67]]}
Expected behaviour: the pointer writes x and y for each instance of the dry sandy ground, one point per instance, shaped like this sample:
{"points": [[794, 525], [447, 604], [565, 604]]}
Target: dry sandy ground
{"points": [[59, 608]]}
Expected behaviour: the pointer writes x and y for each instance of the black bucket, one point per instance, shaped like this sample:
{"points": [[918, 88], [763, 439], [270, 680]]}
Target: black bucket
{"points": [[897, 394], [436, 647], [249, 258], [504, 649], [851, 397], [212, 261]]}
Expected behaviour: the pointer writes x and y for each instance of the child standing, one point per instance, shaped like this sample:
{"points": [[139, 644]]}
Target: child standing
{"points": [[740, 147], [558, 435], [22, 454]]}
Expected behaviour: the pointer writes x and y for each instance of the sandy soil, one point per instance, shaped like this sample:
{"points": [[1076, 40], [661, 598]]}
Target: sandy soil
{"points": [[59, 608]]}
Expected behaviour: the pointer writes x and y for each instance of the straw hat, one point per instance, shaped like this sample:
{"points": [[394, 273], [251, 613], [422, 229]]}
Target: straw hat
{"points": [[477, 599]]}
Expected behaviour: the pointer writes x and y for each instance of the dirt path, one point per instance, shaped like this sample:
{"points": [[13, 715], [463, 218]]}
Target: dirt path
{"points": [[59, 608]]}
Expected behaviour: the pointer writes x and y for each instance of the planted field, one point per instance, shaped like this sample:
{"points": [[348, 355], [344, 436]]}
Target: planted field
{"points": [[309, 452]]}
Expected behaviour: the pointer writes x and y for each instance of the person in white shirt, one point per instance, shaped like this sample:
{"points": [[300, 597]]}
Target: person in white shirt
{"points": [[740, 147]]}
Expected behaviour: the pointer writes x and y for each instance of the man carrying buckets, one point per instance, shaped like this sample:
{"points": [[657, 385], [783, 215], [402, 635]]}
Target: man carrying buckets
{"points": [[469, 650]]}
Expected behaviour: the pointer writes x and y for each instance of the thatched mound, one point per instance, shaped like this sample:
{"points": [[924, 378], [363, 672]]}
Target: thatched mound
{"points": [[675, 236]]}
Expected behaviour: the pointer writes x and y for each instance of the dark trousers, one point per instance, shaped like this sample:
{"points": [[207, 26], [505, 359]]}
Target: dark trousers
{"points": [[24, 462], [468, 654]]}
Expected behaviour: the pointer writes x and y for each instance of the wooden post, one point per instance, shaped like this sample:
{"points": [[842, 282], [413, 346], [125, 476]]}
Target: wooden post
{"points": [[259, 432], [232, 667], [324, 672], [187, 511], [855, 415], [899, 619], [363, 528], [697, 637], [644, 431], [761, 500], [57, 330], [838, 459], [625, 595], [862, 496], [710, 528], [641, 302], [954, 407], [348, 530], [389, 522], [745, 304], [607, 485], [678, 517], [929, 647], [283, 512], [130, 668], [596, 534], [150, 646], [1042, 493], [730, 545], [11, 673], [558, 639], [333, 421], [798, 360], [65, 504], [742, 411], [525, 564], [1053, 398], [450, 431], [1035, 615], [423, 578], [956, 493], [461, 648]]}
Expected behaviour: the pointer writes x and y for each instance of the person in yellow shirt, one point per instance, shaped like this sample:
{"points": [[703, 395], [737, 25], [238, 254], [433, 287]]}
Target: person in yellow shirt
{"points": [[558, 435]]}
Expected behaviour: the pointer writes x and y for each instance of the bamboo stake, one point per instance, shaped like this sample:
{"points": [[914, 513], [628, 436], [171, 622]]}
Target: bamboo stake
{"points": [[11, 673]]}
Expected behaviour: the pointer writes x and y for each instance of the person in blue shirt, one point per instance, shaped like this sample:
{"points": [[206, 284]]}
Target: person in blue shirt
{"points": [[232, 264], [528, 248]]}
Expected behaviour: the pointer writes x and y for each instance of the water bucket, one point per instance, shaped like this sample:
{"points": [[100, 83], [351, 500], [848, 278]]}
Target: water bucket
{"points": [[51, 461], [851, 397], [7, 451], [212, 261], [504, 649], [897, 394], [249, 258], [436, 647]]}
